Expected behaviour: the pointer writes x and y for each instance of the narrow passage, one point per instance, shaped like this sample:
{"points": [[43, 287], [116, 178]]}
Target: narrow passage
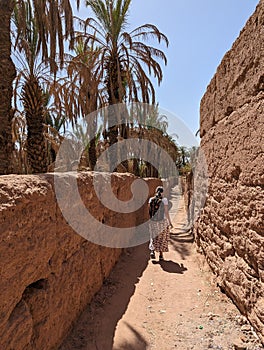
{"points": [[173, 304]]}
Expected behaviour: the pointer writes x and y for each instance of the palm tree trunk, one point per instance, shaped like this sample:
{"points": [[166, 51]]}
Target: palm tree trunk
{"points": [[113, 99], [92, 154], [113, 134], [7, 75], [92, 137], [135, 170], [36, 145], [124, 132]]}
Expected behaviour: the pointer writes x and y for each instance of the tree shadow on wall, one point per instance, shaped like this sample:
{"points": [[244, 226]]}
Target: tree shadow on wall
{"points": [[95, 329]]}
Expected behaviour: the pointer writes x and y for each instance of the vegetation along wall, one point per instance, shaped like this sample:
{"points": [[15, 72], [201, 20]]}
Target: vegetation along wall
{"points": [[48, 272], [230, 230]]}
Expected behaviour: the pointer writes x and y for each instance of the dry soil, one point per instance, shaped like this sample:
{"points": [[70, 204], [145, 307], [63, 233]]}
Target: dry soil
{"points": [[174, 304]]}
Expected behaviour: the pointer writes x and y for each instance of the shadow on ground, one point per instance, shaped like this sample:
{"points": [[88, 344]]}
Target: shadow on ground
{"points": [[179, 236], [170, 266], [139, 343], [95, 329]]}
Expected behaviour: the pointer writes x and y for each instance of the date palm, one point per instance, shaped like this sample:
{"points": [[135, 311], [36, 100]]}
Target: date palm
{"points": [[7, 74], [126, 61], [80, 92], [31, 72], [50, 15], [148, 124], [19, 137]]}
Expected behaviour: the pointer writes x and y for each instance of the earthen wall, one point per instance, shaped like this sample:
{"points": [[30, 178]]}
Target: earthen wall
{"points": [[230, 230], [48, 272]]}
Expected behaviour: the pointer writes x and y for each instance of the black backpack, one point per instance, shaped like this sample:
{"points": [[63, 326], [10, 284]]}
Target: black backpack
{"points": [[156, 209]]}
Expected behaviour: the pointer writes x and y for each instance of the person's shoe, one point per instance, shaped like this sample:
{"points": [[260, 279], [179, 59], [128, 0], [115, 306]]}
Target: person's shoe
{"points": [[161, 257], [152, 255]]}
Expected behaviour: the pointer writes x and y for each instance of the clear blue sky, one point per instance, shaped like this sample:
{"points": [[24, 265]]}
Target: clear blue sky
{"points": [[200, 32]]}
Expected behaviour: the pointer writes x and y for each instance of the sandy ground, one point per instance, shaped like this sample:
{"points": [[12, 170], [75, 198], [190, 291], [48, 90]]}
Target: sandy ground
{"points": [[174, 304]]}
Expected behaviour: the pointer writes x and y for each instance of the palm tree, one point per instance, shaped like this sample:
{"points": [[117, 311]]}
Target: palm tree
{"points": [[29, 78], [147, 123], [55, 123], [80, 91], [19, 137], [124, 58], [53, 136], [155, 120], [7, 74], [49, 21], [184, 156]]}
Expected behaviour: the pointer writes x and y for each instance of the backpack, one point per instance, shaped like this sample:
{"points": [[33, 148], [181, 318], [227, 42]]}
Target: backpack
{"points": [[156, 209]]}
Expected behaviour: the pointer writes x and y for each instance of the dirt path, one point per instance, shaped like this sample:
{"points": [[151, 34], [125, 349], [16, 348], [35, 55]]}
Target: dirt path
{"points": [[174, 304]]}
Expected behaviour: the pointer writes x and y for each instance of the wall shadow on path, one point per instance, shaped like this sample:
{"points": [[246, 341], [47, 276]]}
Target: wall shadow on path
{"points": [[139, 343], [95, 329]]}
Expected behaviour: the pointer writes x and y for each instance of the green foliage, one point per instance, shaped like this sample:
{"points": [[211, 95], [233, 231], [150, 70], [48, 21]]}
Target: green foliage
{"points": [[186, 169]]}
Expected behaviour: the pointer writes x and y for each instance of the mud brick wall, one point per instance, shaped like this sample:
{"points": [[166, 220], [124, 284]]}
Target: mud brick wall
{"points": [[230, 230], [48, 273]]}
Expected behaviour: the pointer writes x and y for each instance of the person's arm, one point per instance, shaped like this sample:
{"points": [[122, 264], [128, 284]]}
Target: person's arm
{"points": [[149, 206], [167, 215], [148, 209]]}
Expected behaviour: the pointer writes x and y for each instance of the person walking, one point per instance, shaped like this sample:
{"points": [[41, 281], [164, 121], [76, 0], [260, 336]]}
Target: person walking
{"points": [[160, 223]]}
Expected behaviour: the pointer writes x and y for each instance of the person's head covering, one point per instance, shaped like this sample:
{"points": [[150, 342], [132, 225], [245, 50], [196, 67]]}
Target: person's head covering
{"points": [[159, 190]]}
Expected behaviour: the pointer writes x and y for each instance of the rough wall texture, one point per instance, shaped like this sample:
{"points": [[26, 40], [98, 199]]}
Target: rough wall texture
{"points": [[48, 272], [230, 229]]}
